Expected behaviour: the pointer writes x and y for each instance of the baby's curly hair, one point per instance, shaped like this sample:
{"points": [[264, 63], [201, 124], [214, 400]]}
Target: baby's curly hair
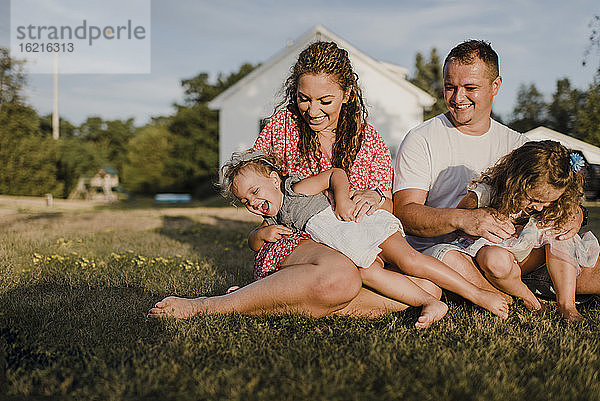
{"points": [[532, 164], [260, 162], [327, 58]]}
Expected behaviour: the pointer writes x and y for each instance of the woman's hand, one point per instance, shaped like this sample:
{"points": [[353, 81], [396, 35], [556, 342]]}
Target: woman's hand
{"points": [[273, 233], [366, 201]]}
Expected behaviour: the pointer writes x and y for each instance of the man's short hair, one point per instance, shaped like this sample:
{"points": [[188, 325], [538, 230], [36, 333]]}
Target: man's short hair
{"points": [[466, 52]]}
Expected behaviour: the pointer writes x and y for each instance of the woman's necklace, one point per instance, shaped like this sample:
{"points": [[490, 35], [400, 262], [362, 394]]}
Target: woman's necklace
{"points": [[326, 141]]}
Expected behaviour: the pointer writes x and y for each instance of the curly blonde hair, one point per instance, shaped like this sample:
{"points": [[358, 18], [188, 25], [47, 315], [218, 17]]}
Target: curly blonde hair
{"points": [[256, 160], [327, 58], [533, 163]]}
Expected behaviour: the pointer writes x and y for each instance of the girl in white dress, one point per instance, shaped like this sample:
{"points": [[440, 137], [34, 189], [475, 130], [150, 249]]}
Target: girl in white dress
{"points": [[538, 187]]}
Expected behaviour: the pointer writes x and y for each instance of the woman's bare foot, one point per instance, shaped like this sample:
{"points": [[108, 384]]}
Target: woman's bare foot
{"points": [[570, 314], [493, 302], [431, 312], [179, 308]]}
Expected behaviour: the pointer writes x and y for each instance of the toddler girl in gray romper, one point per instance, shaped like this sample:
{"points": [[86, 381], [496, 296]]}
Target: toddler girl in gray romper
{"points": [[359, 241]]}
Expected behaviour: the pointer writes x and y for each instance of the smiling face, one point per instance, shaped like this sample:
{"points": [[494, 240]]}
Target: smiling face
{"points": [[260, 194], [320, 99], [469, 91], [540, 196]]}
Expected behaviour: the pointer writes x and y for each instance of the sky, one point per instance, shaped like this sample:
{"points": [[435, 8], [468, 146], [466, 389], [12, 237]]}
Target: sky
{"points": [[538, 42]]}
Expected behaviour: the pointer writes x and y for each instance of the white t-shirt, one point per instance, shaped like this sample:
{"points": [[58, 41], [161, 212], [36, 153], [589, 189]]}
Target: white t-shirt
{"points": [[438, 158]]}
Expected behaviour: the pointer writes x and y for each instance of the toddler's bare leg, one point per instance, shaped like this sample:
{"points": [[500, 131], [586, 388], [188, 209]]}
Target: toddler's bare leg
{"points": [[396, 250], [397, 286]]}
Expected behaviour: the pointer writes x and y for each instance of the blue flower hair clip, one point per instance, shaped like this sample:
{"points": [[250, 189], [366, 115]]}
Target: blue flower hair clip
{"points": [[577, 162]]}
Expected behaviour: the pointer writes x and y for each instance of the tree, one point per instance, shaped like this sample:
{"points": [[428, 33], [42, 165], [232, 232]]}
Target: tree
{"points": [[193, 160], [77, 159], [429, 77], [110, 138], [12, 78], [29, 160], [199, 90], [588, 117], [67, 130], [147, 157], [562, 111], [530, 109]]}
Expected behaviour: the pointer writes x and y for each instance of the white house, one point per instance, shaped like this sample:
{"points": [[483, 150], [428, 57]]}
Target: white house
{"points": [[394, 104], [591, 152]]}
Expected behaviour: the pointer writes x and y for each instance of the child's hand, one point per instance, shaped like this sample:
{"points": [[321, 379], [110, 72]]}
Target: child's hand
{"points": [[273, 233], [571, 227], [344, 209]]}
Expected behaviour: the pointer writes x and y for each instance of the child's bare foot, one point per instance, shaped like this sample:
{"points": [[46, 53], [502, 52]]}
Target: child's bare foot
{"points": [[179, 308], [494, 302], [535, 305], [431, 312], [570, 314]]}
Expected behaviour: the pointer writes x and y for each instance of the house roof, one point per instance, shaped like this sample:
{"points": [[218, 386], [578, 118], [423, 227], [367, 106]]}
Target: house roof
{"points": [[318, 32], [591, 152]]}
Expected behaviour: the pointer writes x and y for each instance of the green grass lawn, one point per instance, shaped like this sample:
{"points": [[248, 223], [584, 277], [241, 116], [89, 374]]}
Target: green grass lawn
{"points": [[76, 283]]}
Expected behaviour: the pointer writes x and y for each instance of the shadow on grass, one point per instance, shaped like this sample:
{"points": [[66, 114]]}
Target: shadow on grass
{"points": [[47, 215], [53, 321]]}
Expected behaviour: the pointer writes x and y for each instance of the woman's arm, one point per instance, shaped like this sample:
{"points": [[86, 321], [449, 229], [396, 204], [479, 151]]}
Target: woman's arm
{"points": [[378, 167]]}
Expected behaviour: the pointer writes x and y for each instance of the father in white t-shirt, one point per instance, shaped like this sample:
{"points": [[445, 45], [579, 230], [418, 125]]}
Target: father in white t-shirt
{"points": [[439, 158]]}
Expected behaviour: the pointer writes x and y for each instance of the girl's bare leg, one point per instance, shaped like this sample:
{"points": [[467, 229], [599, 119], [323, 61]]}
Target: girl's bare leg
{"points": [[314, 280], [464, 265], [503, 271], [397, 286], [397, 251], [588, 281], [563, 277]]}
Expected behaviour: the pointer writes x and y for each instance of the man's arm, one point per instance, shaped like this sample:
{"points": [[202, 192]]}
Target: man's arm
{"points": [[425, 221]]}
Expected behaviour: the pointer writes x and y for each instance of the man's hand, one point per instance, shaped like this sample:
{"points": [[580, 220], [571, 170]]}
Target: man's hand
{"points": [[486, 223], [273, 233], [571, 227]]}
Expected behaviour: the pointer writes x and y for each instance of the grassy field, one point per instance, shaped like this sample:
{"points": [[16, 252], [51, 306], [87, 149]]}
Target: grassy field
{"points": [[77, 279]]}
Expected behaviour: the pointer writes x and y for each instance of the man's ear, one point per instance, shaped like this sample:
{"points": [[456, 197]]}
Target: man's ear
{"points": [[496, 85]]}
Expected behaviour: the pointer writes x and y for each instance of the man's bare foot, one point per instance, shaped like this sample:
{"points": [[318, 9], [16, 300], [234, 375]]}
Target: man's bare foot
{"points": [[493, 302], [179, 308], [570, 314], [431, 312]]}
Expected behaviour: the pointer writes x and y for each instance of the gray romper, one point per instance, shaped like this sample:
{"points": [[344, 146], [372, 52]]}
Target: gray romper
{"points": [[359, 241]]}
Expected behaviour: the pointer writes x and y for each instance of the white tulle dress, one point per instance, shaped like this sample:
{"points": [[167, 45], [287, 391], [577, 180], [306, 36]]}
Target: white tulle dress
{"points": [[579, 251]]}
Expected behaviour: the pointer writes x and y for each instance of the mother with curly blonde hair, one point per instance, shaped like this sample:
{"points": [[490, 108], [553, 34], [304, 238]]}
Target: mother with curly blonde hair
{"points": [[320, 124]]}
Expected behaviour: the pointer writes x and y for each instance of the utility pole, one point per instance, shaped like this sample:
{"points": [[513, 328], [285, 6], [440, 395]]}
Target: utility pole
{"points": [[55, 120]]}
